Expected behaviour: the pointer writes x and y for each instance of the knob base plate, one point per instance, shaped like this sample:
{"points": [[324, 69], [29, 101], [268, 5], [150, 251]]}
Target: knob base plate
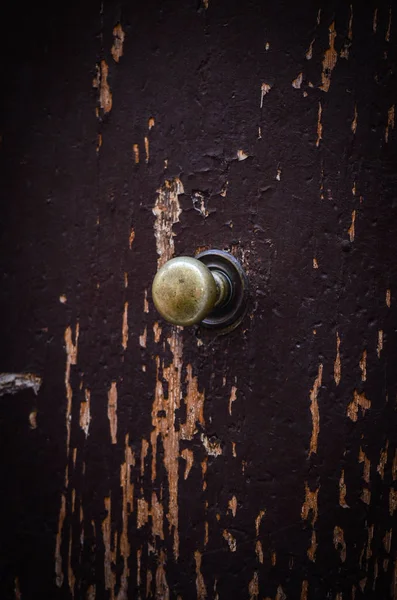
{"points": [[228, 315]]}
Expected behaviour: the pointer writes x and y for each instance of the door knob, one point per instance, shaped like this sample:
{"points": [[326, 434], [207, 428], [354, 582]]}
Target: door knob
{"points": [[210, 289]]}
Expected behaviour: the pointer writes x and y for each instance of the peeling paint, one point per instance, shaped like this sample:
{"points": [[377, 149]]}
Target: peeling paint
{"points": [[85, 413], [380, 343], [232, 505], [232, 398], [319, 125], [355, 120], [232, 542], [119, 37], [329, 61], [200, 585], [315, 411], [124, 327], [388, 298], [339, 542], [112, 411], [337, 363], [363, 366], [359, 400], [12, 383], [253, 587], [390, 122], [342, 491], [143, 338], [187, 455], [297, 82], [100, 82], [265, 89], [259, 551], [351, 230]]}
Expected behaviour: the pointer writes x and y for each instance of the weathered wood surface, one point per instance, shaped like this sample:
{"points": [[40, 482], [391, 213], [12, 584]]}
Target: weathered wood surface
{"points": [[157, 462]]}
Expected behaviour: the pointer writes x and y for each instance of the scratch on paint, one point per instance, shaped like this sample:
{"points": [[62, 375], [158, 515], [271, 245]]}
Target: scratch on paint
{"points": [[337, 363], [117, 48], [329, 61], [232, 398], [319, 125], [339, 542], [112, 411], [124, 327], [363, 366], [380, 343], [147, 155], [200, 585], [390, 122], [309, 53], [351, 230], [315, 411], [101, 83], [359, 400], [145, 303], [85, 414], [232, 543]]}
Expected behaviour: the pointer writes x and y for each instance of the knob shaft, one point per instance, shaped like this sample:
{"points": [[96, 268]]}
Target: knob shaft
{"points": [[185, 291]]}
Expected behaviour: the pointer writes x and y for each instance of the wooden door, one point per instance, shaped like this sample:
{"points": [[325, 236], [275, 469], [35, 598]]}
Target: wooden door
{"points": [[142, 460]]}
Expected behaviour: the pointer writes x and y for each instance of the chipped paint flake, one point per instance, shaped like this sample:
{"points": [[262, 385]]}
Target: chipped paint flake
{"points": [[310, 504], [390, 122], [383, 460], [319, 125], [135, 150], [12, 383], [162, 589], [315, 411], [124, 327], [157, 514], [259, 551], [232, 398], [232, 505], [58, 558], [131, 238], [232, 543], [33, 419], [379, 347], [143, 338], [253, 587], [147, 153], [339, 542], [351, 230], [388, 298], [309, 53], [304, 590], [355, 120], [337, 363], [109, 556], [392, 501], [241, 155], [157, 332], [200, 585], [258, 521], [188, 456], [167, 211], [101, 83], [342, 491], [63, 299], [359, 400], [297, 82], [265, 89], [112, 411], [329, 61], [315, 263], [212, 445], [118, 41], [151, 123], [85, 413], [363, 366]]}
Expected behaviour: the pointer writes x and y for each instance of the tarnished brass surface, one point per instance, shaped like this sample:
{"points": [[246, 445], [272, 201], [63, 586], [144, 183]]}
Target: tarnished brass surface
{"points": [[184, 291]]}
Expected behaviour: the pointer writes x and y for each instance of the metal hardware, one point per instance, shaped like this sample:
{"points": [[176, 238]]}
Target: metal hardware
{"points": [[210, 289]]}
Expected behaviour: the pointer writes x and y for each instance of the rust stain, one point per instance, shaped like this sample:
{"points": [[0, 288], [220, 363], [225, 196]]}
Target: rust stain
{"points": [[329, 61], [144, 451], [354, 122], [315, 411], [339, 542], [124, 327], [157, 332], [337, 363], [135, 149], [342, 491], [380, 343], [388, 298], [359, 400], [319, 125], [85, 414], [232, 543], [112, 411], [187, 455], [265, 89], [390, 122], [392, 501], [232, 398], [162, 589], [200, 585], [232, 505], [258, 521], [101, 83], [351, 230], [117, 48], [259, 551], [253, 587], [383, 460], [143, 338], [297, 82], [363, 366], [304, 589]]}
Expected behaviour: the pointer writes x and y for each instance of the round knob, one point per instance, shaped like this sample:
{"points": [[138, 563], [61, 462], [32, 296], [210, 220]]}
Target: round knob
{"points": [[185, 291]]}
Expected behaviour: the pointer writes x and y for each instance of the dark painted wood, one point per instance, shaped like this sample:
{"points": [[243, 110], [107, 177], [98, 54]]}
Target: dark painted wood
{"points": [[69, 204]]}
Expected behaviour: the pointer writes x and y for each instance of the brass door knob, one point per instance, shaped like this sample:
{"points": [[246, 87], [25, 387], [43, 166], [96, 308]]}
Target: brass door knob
{"points": [[209, 289]]}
